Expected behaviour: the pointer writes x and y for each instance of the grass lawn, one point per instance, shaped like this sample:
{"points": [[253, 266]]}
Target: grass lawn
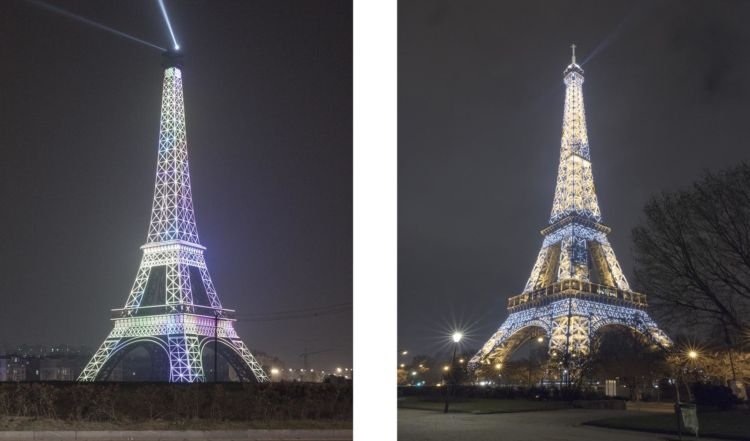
{"points": [[713, 424], [480, 405], [26, 423]]}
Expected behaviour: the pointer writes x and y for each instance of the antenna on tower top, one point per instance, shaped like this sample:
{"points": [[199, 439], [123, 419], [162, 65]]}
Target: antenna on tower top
{"points": [[573, 47]]}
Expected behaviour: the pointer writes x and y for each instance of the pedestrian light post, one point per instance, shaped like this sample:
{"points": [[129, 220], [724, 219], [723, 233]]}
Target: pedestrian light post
{"points": [[457, 336], [685, 412]]}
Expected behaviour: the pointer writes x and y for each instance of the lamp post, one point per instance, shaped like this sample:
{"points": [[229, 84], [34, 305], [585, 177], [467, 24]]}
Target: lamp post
{"points": [[690, 355], [457, 336]]}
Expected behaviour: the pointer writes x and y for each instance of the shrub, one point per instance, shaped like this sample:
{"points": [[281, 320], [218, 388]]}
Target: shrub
{"points": [[177, 402]]}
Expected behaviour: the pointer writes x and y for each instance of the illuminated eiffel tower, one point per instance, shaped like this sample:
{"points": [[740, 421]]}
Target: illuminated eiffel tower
{"points": [[173, 310], [576, 286]]}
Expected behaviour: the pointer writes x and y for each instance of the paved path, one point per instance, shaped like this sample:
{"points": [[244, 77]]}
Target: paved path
{"points": [[558, 425], [188, 435]]}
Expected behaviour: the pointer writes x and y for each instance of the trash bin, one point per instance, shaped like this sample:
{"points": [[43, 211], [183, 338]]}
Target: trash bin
{"points": [[687, 415]]}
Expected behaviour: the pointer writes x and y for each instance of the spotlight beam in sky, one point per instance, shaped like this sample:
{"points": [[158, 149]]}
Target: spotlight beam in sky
{"points": [[169, 25], [85, 20], [611, 37]]}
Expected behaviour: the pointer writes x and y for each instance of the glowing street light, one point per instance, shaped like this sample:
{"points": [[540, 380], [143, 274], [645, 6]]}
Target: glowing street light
{"points": [[413, 373], [461, 360], [338, 369], [446, 368], [540, 339], [457, 336], [693, 354], [274, 371], [404, 352], [498, 366], [402, 365]]}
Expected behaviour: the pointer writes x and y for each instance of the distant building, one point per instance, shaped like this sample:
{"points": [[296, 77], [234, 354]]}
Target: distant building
{"points": [[61, 367], [15, 368], [42, 363]]}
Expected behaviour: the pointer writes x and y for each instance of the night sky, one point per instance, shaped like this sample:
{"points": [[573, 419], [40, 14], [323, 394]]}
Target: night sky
{"points": [[667, 96], [268, 98]]}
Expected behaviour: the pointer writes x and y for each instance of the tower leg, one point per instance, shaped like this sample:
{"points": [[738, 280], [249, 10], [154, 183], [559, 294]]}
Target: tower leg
{"points": [[100, 358], [251, 362], [185, 362]]}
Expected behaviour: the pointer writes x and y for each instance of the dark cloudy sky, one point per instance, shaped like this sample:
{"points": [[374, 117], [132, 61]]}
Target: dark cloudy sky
{"points": [[268, 96], [480, 115]]}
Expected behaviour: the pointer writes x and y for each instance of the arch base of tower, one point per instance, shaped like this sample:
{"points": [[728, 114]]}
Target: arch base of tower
{"points": [[176, 343], [568, 326]]}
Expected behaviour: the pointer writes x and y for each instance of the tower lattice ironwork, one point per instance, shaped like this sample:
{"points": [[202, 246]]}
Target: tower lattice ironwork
{"points": [[173, 309], [576, 286]]}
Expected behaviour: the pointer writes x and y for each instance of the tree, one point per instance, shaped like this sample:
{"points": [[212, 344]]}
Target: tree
{"points": [[693, 254]]}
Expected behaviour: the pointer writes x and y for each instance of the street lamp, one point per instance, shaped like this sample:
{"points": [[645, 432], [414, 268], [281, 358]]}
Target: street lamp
{"points": [[690, 355], [457, 336], [540, 339]]}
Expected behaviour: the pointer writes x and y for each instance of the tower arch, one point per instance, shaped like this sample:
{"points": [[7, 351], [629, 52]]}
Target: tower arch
{"points": [[158, 351], [236, 354]]}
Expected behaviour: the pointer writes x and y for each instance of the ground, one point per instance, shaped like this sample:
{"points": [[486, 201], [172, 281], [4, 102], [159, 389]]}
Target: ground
{"points": [[734, 424], [480, 405], [47, 424], [557, 425], [21, 428]]}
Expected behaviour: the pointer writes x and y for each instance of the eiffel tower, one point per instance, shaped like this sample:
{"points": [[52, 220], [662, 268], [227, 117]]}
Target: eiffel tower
{"points": [[173, 310], [576, 286]]}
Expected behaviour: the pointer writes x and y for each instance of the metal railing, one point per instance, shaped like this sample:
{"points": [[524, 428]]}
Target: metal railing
{"points": [[173, 309]]}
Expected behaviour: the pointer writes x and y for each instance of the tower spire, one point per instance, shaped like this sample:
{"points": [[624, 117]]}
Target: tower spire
{"points": [[573, 58], [172, 213], [574, 193]]}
